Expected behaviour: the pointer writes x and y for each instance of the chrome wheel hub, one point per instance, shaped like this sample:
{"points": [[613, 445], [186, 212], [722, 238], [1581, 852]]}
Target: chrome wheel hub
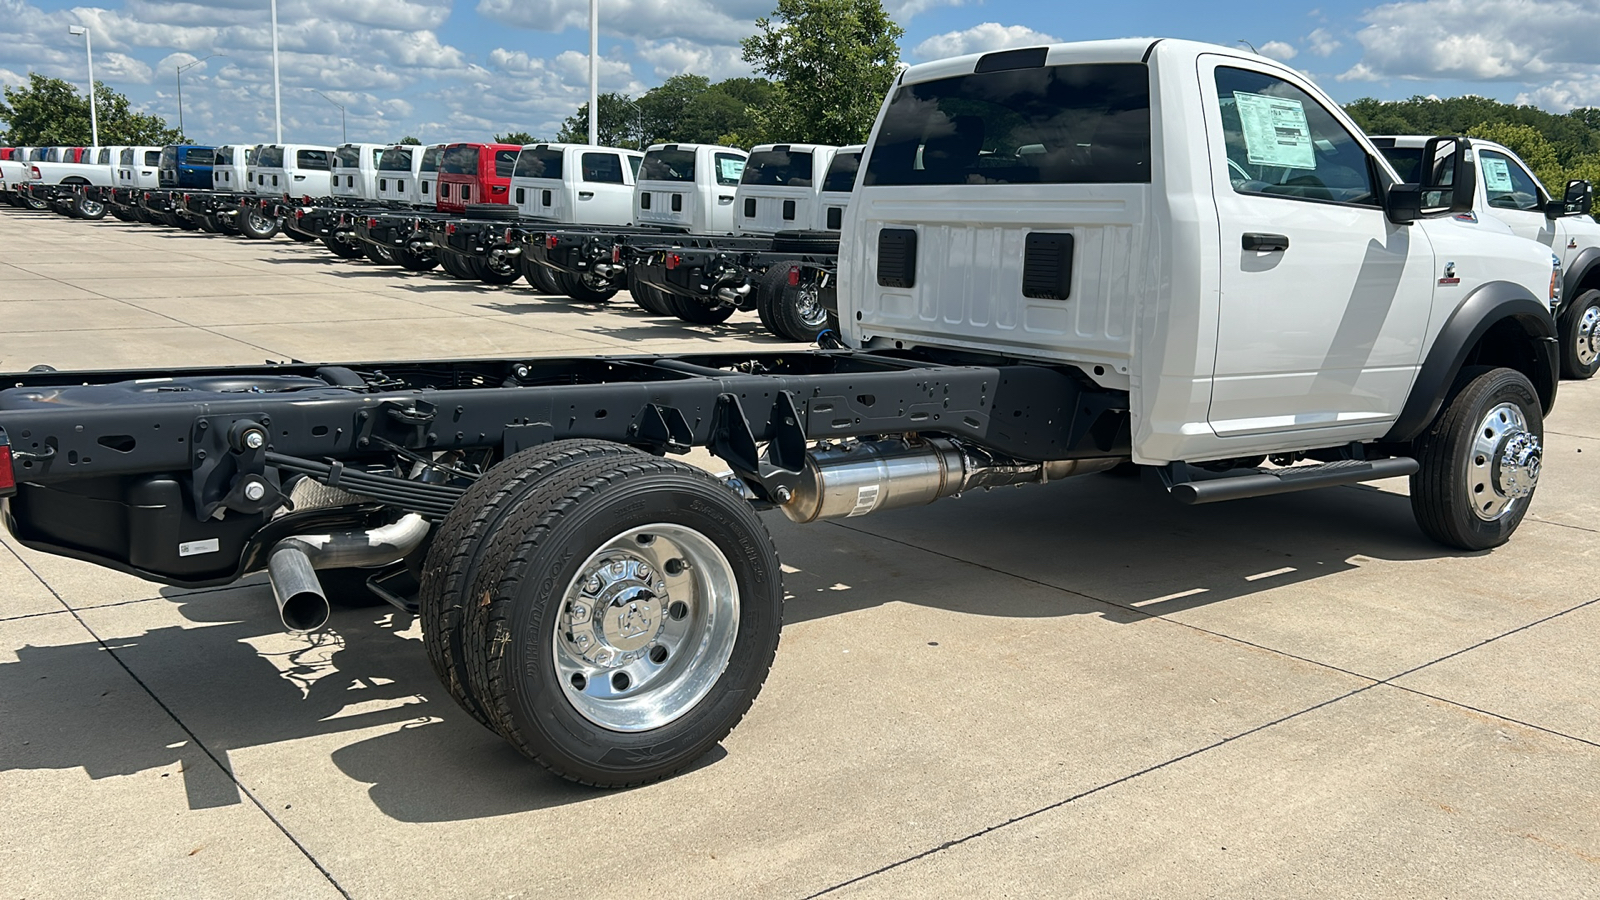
{"points": [[1504, 467], [1588, 335], [646, 627], [810, 308]]}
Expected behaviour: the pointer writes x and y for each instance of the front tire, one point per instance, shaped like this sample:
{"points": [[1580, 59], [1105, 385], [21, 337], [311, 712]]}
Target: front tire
{"points": [[1479, 461], [256, 226], [1580, 337], [89, 209], [633, 611]]}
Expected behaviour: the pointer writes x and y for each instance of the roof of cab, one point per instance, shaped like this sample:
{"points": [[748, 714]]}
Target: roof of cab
{"points": [[1112, 51]]}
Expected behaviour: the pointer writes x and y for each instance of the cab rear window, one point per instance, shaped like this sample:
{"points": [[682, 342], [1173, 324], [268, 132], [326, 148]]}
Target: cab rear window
{"points": [[224, 156], [348, 157], [270, 157], [459, 161], [395, 159], [430, 159], [841, 176], [504, 162], [1073, 124], [667, 165], [536, 163], [778, 168]]}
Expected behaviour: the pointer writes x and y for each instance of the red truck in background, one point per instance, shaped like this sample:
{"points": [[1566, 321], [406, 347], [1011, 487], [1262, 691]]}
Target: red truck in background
{"points": [[475, 173]]}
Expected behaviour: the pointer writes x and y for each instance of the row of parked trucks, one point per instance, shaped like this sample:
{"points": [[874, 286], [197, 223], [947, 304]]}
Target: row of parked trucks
{"points": [[1052, 261]]}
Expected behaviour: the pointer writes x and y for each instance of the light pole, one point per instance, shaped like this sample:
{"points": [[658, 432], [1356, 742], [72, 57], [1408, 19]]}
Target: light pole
{"points": [[277, 96], [180, 86], [594, 71], [88, 48], [343, 132]]}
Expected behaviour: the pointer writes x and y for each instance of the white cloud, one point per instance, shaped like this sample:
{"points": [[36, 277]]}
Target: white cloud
{"points": [[1322, 44], [121, 67], [980, 39], [1279, 50], [678, 56], [718, 21], [1359, 72]]}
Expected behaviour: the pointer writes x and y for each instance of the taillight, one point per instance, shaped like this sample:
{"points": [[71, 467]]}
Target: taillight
{"points": [[185, 198], [794, 276], [674, 260], [372, 223], [147, 195], [551, 242], [616, 253], [8, 478], [306, 200], [508, 236], [299, 214], [37, 173], [450, 228]]}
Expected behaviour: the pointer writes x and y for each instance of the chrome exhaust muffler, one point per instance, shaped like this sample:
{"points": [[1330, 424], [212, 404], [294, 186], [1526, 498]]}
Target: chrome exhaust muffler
{"points": [[860, 478], [292, 565]]}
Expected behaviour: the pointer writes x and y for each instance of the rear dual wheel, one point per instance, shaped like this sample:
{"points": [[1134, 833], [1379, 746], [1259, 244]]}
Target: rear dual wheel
{"points": [[498, 270], [615, 613], [539, 277], [457, 266], [585, 288], [415, 262], [344, 249], [695, 312]]}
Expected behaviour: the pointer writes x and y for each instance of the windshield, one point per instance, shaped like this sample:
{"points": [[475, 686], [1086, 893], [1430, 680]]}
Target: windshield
{"points": [[545, 163], [270, 157], [842, 172], [778, 168], [349, 157], [430, 159], [395, 159], [460, 160], [1076, 124], [667, 165]]}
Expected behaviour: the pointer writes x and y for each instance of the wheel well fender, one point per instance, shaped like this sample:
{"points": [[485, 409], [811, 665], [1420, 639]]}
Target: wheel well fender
{"points": [[1499, 324], [1584, 272]]}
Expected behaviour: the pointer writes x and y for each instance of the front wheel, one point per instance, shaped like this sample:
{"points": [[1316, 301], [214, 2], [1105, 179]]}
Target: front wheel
{"points": [[1580, 337], [629, 617], [1479, 461]]}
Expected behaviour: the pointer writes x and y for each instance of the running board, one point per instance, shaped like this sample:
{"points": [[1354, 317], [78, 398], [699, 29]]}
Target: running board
{"points": [[1296, 478]]}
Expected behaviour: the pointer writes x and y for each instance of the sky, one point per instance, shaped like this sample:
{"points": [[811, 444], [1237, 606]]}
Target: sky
{"points": [[465, 69]]}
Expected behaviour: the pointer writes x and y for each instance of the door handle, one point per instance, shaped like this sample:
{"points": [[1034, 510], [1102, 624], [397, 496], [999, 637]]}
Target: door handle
{"points": [[586, 195], [1269, 243]]}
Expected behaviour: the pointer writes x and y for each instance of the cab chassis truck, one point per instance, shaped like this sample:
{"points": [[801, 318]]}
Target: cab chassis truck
{"points": [[613, 612]]}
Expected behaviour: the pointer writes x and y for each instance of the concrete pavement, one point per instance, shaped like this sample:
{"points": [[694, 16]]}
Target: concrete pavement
{"points": [[1083, 689]]}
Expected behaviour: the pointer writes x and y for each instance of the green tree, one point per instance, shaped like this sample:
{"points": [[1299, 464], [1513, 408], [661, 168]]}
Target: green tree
{"points": [[408, 140], [515, 137], [832, 62], [50, 112], [618, 125]]}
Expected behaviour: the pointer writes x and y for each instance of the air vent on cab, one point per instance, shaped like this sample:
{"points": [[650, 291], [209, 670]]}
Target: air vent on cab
{"points": [[1047, 266], [897, 258]]}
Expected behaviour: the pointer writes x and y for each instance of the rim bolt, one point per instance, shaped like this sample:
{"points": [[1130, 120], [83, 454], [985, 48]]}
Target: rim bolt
{"points": [[644, 572]]}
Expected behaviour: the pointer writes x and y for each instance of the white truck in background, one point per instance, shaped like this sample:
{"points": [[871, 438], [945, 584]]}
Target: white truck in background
{"points": [[837, 184], [688, 186], [293, 170], [355, 172], [407, 174], [780, 188], [1509, 192], [63, 185]]}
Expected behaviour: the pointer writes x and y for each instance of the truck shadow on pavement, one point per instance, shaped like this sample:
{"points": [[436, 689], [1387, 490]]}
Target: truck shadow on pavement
{"points": [[1102, 546]]}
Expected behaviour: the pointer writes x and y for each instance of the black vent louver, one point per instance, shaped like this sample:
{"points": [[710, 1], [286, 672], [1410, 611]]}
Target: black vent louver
{"points": [[1047, 266], [897, 258]]}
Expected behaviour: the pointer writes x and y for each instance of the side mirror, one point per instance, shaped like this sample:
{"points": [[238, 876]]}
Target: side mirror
{"points": [[1447, 183], [1576, 201]]}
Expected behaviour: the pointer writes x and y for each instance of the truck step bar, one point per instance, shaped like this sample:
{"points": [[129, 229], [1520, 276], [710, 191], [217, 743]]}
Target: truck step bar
{"points": [[1285, 481]]}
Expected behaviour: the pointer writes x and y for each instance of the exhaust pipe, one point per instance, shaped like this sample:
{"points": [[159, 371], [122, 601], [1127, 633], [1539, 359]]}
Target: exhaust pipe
{"points": [[733, 295], [865, 477], [292, 565]]}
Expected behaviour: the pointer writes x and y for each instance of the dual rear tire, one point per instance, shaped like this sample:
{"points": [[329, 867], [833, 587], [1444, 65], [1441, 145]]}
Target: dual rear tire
{"points": [[611, 614]]}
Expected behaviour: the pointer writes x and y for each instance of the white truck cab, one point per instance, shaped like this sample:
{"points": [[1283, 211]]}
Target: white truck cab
{"points": [[230, 171], [400, 172], [576, 184], [1250, 271], [779, 188], [355, 171], [689, 186], [837, 184], [295, 170], [1507, 191]]}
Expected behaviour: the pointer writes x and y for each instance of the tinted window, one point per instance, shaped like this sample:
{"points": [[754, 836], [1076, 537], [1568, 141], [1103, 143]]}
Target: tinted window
{"points": [[778, 168], [1508, 185], [377, 154], [200, 156], [152, 157], [315, 160], [348, 157], [395, 159], [224, 156], [1406, 162], [104, 159], [667, 165], [1281, 141], [126, 157], [504, 162], [430, 159], [169, 157], [605, 168], [842, 172], [459, 161], [1079, 124], [270, 157], [545, 163]]}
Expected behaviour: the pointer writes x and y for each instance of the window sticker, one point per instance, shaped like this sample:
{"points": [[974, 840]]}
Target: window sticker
{"points": [[1496, 175], [1275, 131], [732, 169]]}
